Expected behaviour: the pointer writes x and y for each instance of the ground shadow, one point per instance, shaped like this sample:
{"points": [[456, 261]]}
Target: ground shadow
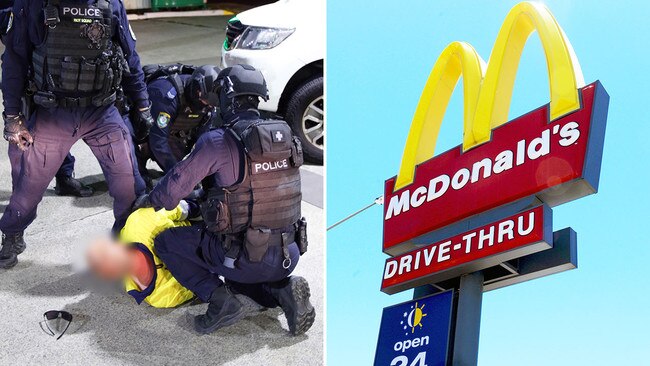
{"points": [[142, 334]]}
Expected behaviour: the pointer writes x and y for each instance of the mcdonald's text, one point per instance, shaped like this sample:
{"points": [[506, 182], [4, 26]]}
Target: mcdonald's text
{"points": [[538, 147], [559, 161]]}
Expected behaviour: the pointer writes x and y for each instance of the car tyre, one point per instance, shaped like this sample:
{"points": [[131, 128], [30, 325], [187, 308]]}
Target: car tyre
{"points": [[305, 114]]}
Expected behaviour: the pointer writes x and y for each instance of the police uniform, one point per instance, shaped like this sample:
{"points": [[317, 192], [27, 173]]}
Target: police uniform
{"points": [[197, 255], [75, 55], [67, 167], [178, 123], [253, 234], [139, 232]]}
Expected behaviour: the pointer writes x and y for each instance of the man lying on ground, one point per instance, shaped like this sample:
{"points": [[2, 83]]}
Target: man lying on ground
{"points": [[132, 257]]}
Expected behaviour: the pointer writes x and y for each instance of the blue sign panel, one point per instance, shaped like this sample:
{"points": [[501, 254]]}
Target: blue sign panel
{"points": [[416, 333]]}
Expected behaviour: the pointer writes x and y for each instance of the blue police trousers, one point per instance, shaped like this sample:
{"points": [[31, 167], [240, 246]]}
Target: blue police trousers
{"points": [[195, 256], [55, 130], [65, 170]]}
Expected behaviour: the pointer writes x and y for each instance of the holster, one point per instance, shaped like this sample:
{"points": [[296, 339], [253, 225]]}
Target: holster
{"points": [[45, 99], [301, 235], [28, 105], [256, 242]]}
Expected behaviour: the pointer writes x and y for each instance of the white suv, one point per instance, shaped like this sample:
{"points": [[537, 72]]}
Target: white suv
{"points": [[286, 42]]}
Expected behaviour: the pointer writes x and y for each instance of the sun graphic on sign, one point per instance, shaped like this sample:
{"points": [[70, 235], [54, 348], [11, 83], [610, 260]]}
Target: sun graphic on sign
{"points": [[414, 317]]}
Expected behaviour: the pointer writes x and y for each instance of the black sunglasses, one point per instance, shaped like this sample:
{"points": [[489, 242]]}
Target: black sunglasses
{"points": [[52, 315]]}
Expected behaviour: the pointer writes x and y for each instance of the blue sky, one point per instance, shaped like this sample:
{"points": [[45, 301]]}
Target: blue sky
{"points": [[379, 56]]}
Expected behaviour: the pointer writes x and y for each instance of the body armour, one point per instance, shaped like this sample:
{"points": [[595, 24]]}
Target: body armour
{"points": [[265, 204], [78, 65], [187, 125]]}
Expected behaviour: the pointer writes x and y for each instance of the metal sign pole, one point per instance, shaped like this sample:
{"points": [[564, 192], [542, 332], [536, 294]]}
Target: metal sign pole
{"points": [[468, 320], [467, 315]]}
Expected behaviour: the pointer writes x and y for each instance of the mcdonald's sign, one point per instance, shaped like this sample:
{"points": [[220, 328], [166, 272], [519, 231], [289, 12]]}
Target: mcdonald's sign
{"points": [[553, 152]]}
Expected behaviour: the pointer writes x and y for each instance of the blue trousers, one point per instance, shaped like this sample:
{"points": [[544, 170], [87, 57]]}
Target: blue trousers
{"points": [[65, 170], [195, 258], [55, 130]]}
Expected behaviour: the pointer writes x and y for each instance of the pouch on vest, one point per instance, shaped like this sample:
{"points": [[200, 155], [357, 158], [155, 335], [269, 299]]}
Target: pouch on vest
{"points": [[216, 215], [297, 158], [87, 77], [69, 76], [267, 141], [257, 243]]}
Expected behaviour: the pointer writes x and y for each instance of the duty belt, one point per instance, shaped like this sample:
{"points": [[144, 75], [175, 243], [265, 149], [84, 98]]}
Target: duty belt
{"points": [[49, 100], [233, 244]]}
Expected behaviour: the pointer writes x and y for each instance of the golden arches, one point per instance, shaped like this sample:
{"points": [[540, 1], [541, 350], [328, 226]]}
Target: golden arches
{"points": [[488, 91]]}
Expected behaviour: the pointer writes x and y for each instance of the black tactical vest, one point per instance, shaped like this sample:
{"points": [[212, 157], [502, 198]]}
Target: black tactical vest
{"points": [[187, 125], [267, 200], [78, 65]]}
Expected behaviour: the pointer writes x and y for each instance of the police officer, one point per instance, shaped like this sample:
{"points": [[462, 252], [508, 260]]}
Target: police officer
{"points": [[181, 114], [66, 184], [254, 243], [75, 55]]}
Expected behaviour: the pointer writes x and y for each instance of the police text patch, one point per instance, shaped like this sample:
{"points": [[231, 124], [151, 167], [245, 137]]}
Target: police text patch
{"points": [[270, 166]]}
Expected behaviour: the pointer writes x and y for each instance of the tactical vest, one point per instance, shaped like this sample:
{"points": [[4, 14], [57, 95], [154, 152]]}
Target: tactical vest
{"points": [[265, 206], [78, 65], [186, 127]]}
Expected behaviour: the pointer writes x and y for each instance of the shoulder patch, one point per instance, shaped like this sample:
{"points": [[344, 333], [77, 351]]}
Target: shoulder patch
{"points": [[171, 94], [132, 33], [163, 119]]}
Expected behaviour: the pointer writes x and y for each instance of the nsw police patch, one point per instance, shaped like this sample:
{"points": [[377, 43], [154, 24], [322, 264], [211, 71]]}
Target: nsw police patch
{"points": [[163, 119]]}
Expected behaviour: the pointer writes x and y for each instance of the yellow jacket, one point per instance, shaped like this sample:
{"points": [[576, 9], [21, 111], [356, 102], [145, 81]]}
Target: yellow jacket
{"points": [[140, 229]]}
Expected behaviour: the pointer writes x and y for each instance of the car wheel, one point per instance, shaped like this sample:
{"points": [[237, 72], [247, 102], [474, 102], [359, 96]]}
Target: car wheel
{"points": [[305, 113]]}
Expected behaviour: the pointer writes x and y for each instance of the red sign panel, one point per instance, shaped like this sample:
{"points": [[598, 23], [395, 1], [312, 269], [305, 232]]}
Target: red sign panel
{"points": [[522, 234], [557, 161]]}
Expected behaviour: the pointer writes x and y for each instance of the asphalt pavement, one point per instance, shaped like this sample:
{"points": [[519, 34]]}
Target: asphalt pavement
{"points": [[108, 326]]}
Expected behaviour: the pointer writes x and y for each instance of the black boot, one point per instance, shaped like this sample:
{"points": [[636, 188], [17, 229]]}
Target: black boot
{"points": [[293, 296], [12, 245], [224, 310], [68, 186]]}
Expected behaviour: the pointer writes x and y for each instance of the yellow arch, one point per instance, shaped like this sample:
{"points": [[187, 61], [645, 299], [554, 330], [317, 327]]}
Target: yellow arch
{"points": [[564, 73], [488, 94], [458, 59]]}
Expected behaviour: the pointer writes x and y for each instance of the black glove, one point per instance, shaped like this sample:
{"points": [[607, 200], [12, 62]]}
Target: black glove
{"points": [[16, 132], [145, 116], [142, 202], [141, 120]]}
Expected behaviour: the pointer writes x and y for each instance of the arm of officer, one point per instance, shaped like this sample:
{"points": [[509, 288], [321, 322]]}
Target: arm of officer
{"points": [[163, 110], [184, 176], [133, 83], [15, 60]]}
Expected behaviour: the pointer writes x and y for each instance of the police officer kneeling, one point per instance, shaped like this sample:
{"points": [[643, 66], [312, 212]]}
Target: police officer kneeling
{"points": [[253, 234]]}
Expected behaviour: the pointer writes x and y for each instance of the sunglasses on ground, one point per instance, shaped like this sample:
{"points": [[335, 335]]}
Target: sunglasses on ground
{"points": [[54, 321]]}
